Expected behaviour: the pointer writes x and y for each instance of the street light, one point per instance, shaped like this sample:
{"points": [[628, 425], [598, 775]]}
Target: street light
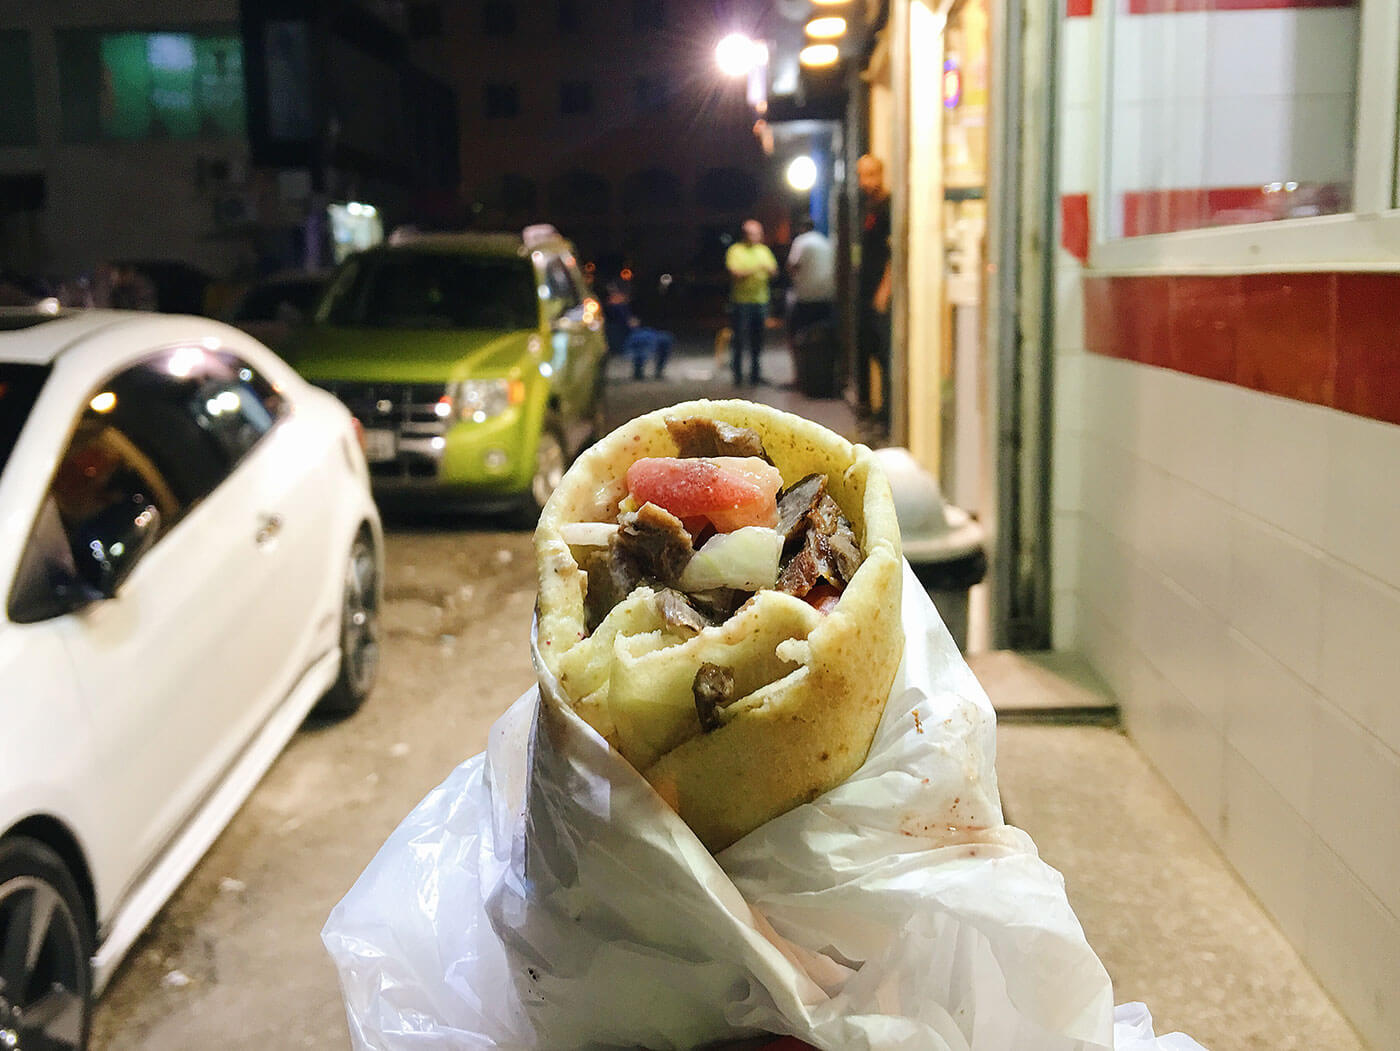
{"points": [[738, 54], [802, 173]]}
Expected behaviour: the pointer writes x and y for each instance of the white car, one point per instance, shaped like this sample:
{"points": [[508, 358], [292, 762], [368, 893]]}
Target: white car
{"points": [[190, 562]]}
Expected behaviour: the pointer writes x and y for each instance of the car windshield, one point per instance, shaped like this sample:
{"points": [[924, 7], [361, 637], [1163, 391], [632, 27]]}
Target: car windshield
{"points": [[264, 302], [19, 386], [433, 290]]}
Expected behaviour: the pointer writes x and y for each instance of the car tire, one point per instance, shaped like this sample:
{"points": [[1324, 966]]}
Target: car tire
{"points": [[45, 994], [551, 461], [359, 632]]}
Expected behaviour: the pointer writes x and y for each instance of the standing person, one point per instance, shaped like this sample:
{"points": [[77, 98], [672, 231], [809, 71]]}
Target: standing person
{"points": [[812, 266], [750, 264], [873, 288]]}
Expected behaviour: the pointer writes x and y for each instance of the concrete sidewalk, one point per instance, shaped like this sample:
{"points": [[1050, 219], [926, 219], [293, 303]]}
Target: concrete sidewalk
{"points": [[1173, 925]]}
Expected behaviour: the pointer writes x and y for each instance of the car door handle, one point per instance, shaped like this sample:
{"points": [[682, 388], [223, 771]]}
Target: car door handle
{"points": [[268, 528]]}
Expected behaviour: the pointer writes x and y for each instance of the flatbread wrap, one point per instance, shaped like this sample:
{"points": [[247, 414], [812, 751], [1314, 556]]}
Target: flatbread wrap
{"points": [[719, 597]]}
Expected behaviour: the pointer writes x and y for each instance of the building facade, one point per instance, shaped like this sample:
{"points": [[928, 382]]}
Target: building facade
{"points": [[613, 122], [142, 131], [1187, 383]]}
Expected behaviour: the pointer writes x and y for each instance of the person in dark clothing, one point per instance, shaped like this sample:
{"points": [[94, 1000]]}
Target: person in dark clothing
{"points": [[627, 335], [873, 289]]}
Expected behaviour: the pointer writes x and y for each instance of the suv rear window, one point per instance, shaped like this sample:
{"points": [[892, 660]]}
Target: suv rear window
{"points": [[433, 290], [19, 387]]}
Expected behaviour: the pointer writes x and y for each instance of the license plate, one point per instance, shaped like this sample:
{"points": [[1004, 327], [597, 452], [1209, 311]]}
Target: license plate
{"points": [[380, 445]]}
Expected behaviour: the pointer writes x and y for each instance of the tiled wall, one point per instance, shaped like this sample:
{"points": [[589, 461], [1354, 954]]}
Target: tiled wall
{"points": [[1238, 586], [1226, 552]]}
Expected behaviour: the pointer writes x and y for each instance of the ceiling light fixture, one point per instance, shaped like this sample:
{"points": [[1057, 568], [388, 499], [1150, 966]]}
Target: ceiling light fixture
{"points": [[827, 28]]}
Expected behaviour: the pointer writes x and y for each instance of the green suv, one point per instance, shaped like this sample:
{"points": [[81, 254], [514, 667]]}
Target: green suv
{"points": [[473, 362]]}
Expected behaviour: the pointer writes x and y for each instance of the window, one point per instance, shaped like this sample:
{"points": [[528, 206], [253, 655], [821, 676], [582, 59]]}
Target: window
{"points": [[575, 96], [1229, 117], [648, 15], [433, 290], [651, 94], [19, 387], [502, 100], [19, 125], [150, 85], [1252, 134], [570, 16], [498, 18]]}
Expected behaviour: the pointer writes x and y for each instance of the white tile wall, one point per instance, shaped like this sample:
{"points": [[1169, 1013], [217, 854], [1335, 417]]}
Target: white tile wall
{"points": [[1239, 591], [1276, 594], [1363, 505], [1354, 776], [1360, 669], [1269, 720], [1353, 945], [1267, 841], [1282, 465]]}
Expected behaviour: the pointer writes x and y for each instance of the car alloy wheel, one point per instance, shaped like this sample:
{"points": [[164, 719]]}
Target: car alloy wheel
{"points": [[360, 631], [549, 468], [44, 977]]}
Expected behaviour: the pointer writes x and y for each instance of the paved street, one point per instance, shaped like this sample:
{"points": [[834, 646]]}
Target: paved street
{"points": [[235, 960]]}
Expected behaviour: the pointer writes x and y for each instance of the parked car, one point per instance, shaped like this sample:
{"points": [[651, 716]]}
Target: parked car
{"points": [[273, 307], [190, 559], [474, 362]]}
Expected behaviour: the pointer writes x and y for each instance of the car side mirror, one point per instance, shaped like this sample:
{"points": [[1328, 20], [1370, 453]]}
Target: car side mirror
{"points": [[110, 544]]}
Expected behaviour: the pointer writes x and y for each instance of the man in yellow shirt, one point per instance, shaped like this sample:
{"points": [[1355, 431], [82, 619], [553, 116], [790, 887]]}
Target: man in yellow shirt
{"points": [[750, 264]]}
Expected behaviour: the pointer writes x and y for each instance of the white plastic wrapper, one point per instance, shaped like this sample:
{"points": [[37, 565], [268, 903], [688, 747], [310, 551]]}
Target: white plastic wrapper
{"points": [[543, 896]]}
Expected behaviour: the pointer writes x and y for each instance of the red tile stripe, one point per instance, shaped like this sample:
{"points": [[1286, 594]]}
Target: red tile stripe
{"points": [[1323, 338], [1079, 8], [1074, 225], [1167, 7]]}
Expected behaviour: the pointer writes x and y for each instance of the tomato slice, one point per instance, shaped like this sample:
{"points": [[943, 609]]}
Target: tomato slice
{"points": [[728, 491]]}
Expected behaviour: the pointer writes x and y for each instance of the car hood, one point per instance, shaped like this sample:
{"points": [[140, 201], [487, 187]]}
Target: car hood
{"points": [[397, 355]]}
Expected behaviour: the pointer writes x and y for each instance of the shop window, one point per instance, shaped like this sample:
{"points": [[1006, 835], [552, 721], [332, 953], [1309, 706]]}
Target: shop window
{"points": [[575, 96], [648, 15], [1219, 117], [501, 100], [19, 124], [498, 18], [150, 85]]}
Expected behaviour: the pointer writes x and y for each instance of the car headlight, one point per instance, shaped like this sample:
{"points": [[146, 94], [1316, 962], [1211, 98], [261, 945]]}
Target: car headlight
{"points": [[480, 400]]}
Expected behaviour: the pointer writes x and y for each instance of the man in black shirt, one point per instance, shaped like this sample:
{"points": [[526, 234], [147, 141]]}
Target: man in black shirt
{"points": [[873, 289]]}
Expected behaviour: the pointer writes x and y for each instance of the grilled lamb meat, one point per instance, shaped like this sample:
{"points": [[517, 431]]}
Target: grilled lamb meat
{"points": [[714, 689], [796, 502], [676, 610], [656, 541], [698, 436]]}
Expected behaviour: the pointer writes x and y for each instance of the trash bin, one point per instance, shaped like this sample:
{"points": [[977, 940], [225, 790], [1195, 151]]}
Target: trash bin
{"points": [[944, 545], [815, 358]]}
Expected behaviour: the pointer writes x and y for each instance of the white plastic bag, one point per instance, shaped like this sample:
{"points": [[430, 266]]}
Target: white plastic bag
{"points": [[543, 896]]}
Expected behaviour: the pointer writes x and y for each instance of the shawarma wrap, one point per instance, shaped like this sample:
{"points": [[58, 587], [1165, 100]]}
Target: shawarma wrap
{"points": [[741, 673]]}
